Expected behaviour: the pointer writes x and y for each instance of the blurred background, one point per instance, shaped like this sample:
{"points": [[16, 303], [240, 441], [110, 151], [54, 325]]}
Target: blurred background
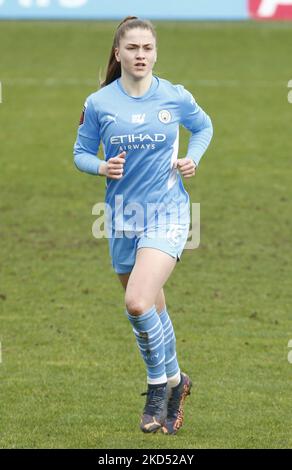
{"points": [[70, 372]]}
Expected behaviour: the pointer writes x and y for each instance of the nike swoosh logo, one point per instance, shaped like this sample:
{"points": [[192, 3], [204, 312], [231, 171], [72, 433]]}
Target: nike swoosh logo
{"points": [[149, 425], [111, 118]]}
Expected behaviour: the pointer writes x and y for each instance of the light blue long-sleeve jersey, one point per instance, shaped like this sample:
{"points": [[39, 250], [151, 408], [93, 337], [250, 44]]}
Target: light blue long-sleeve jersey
{"points": [[147, 129]]}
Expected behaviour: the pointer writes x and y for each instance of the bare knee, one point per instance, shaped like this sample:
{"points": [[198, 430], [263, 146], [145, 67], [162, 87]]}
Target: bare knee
{"points": [[136, 305]]}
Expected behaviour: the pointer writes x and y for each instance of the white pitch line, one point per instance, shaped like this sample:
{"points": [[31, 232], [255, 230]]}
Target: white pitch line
{"points": [[49, 82], [237, 83], [55, 82]]}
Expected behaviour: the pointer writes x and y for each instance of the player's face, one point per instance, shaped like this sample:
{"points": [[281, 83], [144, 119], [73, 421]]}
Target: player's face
{"points": [[137, 53]]}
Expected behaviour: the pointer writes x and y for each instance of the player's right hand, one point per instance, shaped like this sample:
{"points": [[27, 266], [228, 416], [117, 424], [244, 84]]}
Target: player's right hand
{"points": [[114, 167]]}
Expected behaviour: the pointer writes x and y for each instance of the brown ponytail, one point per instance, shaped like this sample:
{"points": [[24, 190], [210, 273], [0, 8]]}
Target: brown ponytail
{"points": [[130, 22]]}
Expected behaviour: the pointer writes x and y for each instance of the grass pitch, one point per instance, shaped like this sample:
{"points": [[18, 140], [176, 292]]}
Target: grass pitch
{"points": [[71, 374]]}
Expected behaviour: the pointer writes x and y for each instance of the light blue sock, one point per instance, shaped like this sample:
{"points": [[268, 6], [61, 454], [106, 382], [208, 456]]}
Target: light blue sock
{"points": [[149, 334], [171, 365]]}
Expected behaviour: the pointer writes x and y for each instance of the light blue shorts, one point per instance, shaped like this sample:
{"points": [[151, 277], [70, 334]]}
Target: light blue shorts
{"points": [[123, 245]]}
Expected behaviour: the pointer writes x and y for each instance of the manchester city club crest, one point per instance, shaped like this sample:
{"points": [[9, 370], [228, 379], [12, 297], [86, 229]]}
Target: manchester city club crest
{"points": [[164, 116]]}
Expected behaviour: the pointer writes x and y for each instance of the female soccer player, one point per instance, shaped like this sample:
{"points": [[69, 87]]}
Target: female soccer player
{"points": [[137, 115]]}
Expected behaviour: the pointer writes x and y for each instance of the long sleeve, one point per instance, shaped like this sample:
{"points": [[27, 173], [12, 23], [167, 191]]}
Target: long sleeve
{"points": [[88, 140], [198, 123]]}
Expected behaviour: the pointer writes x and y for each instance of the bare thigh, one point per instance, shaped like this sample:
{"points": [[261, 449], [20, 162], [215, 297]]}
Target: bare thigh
{"points": [[149, 274], [160, 299]]}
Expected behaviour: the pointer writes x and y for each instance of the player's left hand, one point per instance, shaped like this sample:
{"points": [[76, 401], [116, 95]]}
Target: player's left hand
{"points": [[186, 166]]}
